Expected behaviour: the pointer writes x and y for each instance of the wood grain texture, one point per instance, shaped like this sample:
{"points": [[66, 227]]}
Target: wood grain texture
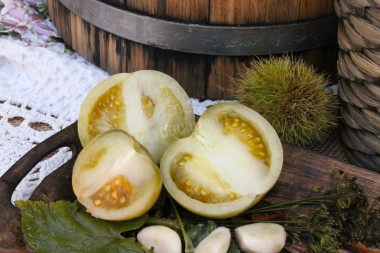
{"points": [[220, 77], [315, 9], [150, 7], [233, 12], [244, 12], [196, 11], [222, 71], [118, 3], [304, 171], [287, 11], [201, 76], [140, 57], [187, 69]]}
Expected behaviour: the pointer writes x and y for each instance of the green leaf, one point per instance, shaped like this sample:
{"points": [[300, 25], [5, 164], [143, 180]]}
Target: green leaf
{"points": [[189, 247], [2, 27], [197, 232], [55, 39], [42, 9], [15, 35], [64, 226], [234, 247], [68, 50]]}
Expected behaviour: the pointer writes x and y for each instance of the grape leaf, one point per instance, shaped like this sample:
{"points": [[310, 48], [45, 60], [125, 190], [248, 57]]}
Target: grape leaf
{"points": [[234, 247], [64, 226], [197, 232]]}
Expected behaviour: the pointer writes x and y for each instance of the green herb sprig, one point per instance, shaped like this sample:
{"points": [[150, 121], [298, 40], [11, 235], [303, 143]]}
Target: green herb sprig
{"points": [[342, 212]]}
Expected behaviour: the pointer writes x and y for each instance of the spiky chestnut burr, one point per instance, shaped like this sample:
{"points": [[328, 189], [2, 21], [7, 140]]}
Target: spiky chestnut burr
{"points": [[291, 96]]}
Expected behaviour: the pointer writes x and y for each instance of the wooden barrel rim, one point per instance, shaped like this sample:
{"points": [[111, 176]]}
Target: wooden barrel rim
{"points": [[207, 39]]}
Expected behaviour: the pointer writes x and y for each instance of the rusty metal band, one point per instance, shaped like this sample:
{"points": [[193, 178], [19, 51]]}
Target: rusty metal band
{"points": [[206, 39]]}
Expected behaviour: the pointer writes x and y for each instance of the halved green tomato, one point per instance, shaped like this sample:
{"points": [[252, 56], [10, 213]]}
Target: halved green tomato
{"points": [[115, 178], [149, 105], [230, 161]]}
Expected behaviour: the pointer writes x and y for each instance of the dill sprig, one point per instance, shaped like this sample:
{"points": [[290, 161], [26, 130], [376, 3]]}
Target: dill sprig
{"points": [[323, 232], [341, 212]]}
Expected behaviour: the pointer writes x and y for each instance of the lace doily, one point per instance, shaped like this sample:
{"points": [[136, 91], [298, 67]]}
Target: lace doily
{"points": [[38, 87]]}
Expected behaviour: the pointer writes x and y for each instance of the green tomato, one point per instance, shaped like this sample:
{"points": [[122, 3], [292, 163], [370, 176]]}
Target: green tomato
{"points": [[149, 105], [115, 178], [230, 161]]}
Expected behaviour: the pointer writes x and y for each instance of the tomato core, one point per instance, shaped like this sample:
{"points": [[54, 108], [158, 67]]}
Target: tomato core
{"points": [[115, 194], [147, 106], [187, 174], [108, 112], [232, 124]]}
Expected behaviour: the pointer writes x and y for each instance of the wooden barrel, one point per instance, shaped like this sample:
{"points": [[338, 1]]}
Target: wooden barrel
{"points": [[201, 43]]}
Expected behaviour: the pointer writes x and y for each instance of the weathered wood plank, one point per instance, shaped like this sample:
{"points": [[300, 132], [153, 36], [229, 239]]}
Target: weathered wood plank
{"points": [[304, 171], [244, 12], [201, 76], [281, 12], [195, 11], [150, 7], [315, 9], [118, 3], [222, 71], [187, 69], [140, 57]]}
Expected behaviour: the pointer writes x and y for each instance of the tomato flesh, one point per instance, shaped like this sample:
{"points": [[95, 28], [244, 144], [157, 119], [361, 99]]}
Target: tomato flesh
{"points": [[226, 165], [149, 105], [116, 193], [233, 124], [115, 178], [108, 112], [187, 174]]}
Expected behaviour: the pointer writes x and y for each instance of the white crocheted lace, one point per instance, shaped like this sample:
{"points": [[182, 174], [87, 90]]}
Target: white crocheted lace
{"points": [[41, 85], [38, 85]]}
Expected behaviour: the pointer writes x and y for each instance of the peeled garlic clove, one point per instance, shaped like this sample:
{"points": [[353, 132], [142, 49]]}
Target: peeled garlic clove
{"points": [[261, 238], [161, 238], [216, 242]]}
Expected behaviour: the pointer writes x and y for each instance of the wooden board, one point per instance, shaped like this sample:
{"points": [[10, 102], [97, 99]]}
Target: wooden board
{"points": [[302, 173]]}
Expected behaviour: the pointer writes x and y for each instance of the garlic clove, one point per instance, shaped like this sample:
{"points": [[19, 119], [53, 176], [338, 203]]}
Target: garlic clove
{"points": [[161, 238], [218, 241], [261, 238]]}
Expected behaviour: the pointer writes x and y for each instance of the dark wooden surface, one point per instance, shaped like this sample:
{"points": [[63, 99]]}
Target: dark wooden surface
{"points": [[202, 76], [230, 12], [223, 40], [302, 173]]}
